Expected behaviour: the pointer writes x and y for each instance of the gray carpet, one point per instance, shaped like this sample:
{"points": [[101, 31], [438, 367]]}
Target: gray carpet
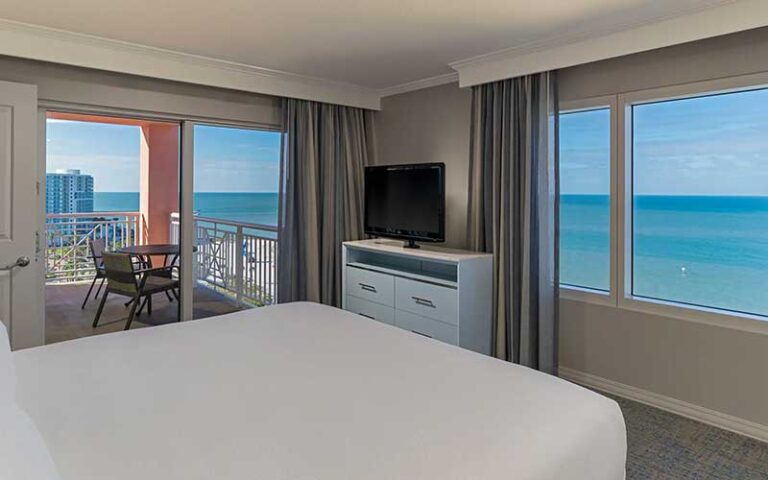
{"points": [[662, 445]]}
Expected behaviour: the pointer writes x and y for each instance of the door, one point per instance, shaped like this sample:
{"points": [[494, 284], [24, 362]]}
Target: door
{"points": [[20, 295]]}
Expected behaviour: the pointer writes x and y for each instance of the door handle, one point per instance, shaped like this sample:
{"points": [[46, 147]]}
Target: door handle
{"points": [[367, 288], [20, 262]]}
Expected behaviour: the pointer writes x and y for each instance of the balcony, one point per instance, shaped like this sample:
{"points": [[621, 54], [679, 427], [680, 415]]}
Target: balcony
{"points": [[234, 266]]}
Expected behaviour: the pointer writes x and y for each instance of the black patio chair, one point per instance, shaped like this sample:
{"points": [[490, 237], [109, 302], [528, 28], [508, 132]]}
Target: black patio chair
{"points": [[96, 247], [124, 279]]}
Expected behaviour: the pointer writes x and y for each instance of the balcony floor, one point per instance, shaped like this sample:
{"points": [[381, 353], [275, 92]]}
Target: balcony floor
{"points": [[65, 320]]}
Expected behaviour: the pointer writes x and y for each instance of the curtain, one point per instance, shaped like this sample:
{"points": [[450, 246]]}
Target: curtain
{"points": [[513, 195], [321, 204]]}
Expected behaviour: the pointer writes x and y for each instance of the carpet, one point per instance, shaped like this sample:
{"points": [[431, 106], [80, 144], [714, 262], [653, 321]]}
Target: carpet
{"points": [[663, 445]]}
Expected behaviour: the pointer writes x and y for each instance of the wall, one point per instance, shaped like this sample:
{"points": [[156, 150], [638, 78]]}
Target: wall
{"points": [[717, 368], [431, 125], [63, 84]]}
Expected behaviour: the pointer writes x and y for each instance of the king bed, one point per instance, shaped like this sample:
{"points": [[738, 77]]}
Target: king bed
{"points": [[302, 391]]}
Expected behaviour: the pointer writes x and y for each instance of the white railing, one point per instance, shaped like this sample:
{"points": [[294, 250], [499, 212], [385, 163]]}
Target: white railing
{"points": [[235, 258], [68, 258]]}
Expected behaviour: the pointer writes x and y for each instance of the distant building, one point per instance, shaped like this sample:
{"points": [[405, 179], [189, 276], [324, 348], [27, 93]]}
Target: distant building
{"points": [[68, 191]]}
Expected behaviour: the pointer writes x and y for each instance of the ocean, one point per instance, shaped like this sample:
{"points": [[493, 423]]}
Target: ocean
{"points": [[701, 250], [260, 208]]}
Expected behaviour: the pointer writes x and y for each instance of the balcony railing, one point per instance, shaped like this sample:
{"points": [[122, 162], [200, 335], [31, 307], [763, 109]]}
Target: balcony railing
{"points": [[235, 258], [68, 258]]}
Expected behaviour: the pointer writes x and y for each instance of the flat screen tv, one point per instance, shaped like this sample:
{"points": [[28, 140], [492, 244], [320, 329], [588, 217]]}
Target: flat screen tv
{"points": [[406, 202]]}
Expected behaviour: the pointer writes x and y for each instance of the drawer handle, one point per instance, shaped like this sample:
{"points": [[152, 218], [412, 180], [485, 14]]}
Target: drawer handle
{"points": [[423, 301], [367, 288], [366, 316], [422, 334]]}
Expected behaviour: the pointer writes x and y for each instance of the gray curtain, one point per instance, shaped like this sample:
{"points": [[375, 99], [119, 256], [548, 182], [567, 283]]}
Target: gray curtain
{"points": [[513, 195], [324, 150]]}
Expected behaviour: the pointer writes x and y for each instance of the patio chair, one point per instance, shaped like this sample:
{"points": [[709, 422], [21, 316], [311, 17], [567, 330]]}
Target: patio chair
{"points": [[124, 279], [96, 247]]}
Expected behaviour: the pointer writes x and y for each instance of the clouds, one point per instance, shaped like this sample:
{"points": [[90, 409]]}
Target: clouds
{"points": [[110, 153], [713, 145], [226, 159], [236, 160]]}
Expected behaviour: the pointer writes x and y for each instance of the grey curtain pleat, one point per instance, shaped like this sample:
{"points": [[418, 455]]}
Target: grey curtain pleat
{"points": [[324, 150], [513, 195]]}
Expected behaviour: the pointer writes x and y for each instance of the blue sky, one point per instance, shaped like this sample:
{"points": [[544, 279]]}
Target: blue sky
{"points": [[715, 145], [226, 159]]}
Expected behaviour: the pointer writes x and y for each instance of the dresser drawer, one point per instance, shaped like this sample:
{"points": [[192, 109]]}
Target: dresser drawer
{"points": [[427, 327], [372, 286], [372, 310], [427, 300]]}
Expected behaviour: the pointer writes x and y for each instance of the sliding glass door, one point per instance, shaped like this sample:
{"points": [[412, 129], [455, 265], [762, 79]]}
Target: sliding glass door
{"points": [[235, 208]]}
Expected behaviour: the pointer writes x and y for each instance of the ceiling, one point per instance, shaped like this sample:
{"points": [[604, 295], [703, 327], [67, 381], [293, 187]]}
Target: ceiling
{"points": [[374, 44]]}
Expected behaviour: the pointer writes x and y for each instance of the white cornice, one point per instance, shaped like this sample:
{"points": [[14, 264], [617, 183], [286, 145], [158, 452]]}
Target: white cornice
{"points": [[728, 16], [58, 46], [435, 81]]}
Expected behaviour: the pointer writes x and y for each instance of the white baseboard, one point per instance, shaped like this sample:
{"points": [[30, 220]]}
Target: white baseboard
{"points": [[669, 404]]}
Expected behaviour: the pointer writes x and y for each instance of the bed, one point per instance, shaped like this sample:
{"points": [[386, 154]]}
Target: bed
{"points": [[307, 392]]}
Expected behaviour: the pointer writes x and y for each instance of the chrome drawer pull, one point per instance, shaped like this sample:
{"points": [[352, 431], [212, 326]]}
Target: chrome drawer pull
{"points": [[422, 334], [423, 301], [366, 316], [367, 288]]}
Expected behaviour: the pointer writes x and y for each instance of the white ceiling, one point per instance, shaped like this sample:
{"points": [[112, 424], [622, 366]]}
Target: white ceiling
{"points": [[376, 44]]}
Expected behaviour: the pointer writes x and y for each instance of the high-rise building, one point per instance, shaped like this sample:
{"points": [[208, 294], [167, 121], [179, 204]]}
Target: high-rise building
{"points": [[68, 191]]}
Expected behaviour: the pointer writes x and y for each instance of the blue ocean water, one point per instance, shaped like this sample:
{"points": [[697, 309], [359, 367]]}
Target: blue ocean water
{"points": [[702, 250], [260, 208]]}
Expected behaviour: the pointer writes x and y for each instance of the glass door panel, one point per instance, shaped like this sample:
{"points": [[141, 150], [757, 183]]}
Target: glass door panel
{"points": [[235, 202]]}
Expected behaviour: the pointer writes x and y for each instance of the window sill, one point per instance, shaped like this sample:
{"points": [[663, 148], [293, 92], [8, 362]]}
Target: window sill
{"points": [[708, 316], [704, 315], [587, 295]]}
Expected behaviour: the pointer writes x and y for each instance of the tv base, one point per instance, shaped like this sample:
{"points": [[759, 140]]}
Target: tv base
{"points": [[411, 244]]}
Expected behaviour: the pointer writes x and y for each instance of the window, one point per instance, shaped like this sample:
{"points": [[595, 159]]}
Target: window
{"points": [[700, 201], [585, 207]]}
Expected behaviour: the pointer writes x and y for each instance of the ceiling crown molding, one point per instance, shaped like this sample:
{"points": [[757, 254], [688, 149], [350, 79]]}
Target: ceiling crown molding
{"points": [[721, 18], [58, 46], [435, 81]]}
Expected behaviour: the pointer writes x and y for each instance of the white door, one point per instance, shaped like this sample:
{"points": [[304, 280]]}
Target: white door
{"points": [[21, 297]]}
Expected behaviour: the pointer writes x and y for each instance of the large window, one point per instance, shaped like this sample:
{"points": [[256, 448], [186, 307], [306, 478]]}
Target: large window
{"points": [[699, 194], [585, 207]]}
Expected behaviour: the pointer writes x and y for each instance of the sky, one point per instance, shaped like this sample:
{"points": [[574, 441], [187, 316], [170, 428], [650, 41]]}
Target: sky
{"points": [[715, 145], [226, 159]]}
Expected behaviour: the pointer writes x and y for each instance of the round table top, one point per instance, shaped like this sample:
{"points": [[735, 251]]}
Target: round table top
{"points": [[152, 249]]}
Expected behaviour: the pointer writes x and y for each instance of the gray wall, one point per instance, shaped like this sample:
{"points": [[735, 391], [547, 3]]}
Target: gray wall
{"points": [[431, 125], [63, 84], [718, 368]]}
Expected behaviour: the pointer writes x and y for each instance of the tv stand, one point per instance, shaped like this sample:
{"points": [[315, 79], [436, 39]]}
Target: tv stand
{"points": [[411, 243], [436, 292]]}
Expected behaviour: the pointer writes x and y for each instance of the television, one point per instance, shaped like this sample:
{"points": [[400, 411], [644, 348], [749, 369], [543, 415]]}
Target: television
{"points": [[406, 202]]}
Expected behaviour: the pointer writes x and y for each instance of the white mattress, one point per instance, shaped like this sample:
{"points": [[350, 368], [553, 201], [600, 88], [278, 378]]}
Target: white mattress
{"points": [[300, 392]]}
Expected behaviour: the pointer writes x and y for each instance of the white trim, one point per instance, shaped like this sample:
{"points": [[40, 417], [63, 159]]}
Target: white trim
{"points": [[584, 294], [669, 404], [724, 17], [444, 79], [187, 219], [53, 45]]}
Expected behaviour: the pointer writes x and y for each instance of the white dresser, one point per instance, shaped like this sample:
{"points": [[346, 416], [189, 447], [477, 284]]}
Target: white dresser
{"points": [[437, 292]]}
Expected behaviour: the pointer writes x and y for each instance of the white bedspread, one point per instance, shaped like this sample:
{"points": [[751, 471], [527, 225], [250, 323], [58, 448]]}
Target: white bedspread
{"points": [[300, 392]]}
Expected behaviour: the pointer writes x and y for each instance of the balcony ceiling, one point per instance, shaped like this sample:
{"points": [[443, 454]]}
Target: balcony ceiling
{"points": [[371, 43]]}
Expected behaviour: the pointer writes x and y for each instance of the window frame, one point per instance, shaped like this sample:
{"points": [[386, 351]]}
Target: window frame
{"points": [[586, 294], [624, 169]]}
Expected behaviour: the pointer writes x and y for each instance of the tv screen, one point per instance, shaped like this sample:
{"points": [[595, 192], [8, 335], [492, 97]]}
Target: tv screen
{"points": [[406, 201]]}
